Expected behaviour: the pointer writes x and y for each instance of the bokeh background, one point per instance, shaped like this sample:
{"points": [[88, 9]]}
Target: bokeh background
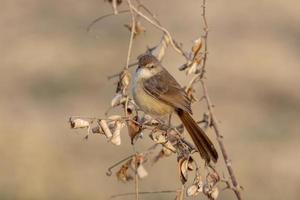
{"points": [[52, 68]]}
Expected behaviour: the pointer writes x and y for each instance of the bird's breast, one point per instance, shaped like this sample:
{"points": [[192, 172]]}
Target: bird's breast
{"points": [[146, 102]]}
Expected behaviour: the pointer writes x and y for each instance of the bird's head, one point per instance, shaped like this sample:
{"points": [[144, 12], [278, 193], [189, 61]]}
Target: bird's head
{"points": [[148, 65]]}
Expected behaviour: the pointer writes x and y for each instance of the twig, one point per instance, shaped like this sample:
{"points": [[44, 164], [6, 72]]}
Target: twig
{"points": [[133, 23], [136, 183], [118, 74], [159, 27], [205, 36], [89, 27], [220, 141], [143, 193], [109, 172], [210, 107]]}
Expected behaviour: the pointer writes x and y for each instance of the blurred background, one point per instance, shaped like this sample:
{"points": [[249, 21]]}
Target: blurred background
{"points": [[51, 68]]}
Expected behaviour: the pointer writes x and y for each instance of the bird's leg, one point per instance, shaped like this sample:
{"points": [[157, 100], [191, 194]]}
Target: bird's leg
{"points": [[170, 119]]}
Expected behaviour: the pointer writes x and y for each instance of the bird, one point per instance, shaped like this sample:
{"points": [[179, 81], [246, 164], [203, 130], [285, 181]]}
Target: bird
{"points": [[156, 92]]}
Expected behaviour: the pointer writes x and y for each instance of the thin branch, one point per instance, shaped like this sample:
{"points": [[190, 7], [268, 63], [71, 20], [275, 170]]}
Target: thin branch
{"points": [[210, 108], [160, 28], [133, 23], [220, 141], [118, 74], [109, 172], [89, 27], [136, 183], [143, 193]]}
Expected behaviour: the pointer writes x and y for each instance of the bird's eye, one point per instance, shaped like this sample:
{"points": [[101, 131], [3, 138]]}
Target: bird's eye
{"points": [[151, 66]]}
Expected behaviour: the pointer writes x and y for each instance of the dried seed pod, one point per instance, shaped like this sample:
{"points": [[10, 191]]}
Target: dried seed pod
{"points": [[166, 151], [79, 123], [97, 129], [116, 138], [138, 28], [123, 174], [192, 190], [192, 69], [197, 46], [141, 171], [125, 78], [168, 145], [105, 128], [116, 100], [206, 189], [130, 108], [190, 166], [183, 67], [213, 178], [158, 137], [124, 81], [190, 91], [160, 50], [200, 186], [134, 129], [183, 164], [146, 118], [214, 193]]}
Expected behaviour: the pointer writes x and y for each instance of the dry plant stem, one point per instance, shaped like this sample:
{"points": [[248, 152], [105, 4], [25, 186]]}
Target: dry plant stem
{"points": [[159, 27], [102, 17], [210, 109], [136, 181], [133, 22], [215, 126], [143, 193]]}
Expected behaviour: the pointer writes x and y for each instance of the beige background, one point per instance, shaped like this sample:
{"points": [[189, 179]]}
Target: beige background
{"points": [[51, 69]]}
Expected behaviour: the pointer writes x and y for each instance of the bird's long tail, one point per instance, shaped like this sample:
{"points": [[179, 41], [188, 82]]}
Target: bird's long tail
{"points": [[201, 140]]}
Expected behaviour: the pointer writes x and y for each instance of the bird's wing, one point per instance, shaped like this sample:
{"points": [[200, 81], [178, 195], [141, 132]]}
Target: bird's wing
{"points": [[164, 87]]}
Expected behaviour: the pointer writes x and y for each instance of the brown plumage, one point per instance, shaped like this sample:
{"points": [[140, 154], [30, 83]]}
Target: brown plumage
{"points": [[159, 87]]}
